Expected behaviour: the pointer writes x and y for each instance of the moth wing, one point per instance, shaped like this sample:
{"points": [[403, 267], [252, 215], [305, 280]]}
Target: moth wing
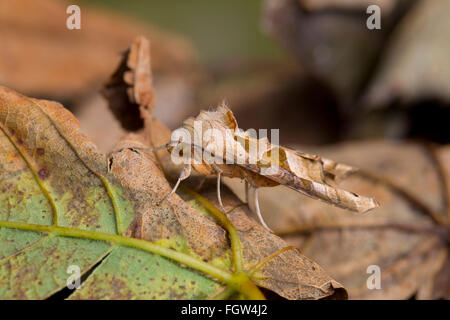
{"points": [[306, 174]]}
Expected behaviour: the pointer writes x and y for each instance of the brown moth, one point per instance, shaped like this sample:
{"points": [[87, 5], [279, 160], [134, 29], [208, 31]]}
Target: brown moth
{"points": [[213, 144]]}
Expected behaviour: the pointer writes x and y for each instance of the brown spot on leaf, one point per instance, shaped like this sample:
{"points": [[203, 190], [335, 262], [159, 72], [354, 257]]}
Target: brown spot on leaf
{"points": [[40, 151], [43, 173]]}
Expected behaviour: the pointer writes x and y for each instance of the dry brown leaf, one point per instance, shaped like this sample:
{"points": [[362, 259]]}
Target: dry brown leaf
{"points": [[291, 275], [302, 172], [130, 88], [407, 237], [139, 171]]}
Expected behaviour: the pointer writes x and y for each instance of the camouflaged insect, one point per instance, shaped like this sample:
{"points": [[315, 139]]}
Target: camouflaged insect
{"points": [[305, 173]]}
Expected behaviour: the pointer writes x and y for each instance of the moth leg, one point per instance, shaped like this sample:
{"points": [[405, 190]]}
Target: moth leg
{"points": [[185, 173], [257, 210], [219, 173]]}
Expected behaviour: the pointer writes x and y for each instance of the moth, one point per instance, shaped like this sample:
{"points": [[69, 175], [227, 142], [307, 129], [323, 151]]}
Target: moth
{"points": [[213, 145]]}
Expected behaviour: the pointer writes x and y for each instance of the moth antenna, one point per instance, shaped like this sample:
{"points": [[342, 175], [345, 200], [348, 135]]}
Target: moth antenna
{"points": [[258, 266], [164, 146], [258, 211], [185, 173]]}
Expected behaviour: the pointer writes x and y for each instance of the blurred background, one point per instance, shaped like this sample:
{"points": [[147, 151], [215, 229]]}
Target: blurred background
{"points": [[219, 30], [310, 68]]}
